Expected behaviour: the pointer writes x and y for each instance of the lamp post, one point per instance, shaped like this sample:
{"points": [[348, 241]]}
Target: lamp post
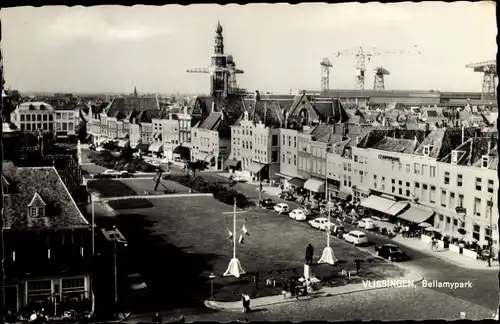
{"points": [[115, 271], [234, 268], [93, 198], [490, 240], [327, 256], [211, 278]]}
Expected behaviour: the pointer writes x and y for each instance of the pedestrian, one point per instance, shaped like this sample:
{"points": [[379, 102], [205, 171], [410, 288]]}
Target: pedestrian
{"points": [[157, 318], [309, 254], [293, 292], [245, 299], [284, 291]]}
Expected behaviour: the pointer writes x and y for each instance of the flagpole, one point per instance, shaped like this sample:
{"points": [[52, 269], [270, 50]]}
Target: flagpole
{"points": [[234, 230]]}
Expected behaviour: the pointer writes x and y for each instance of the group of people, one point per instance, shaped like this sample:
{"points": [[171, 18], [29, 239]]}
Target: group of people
{"points": [[38, 316], [297, 287]]}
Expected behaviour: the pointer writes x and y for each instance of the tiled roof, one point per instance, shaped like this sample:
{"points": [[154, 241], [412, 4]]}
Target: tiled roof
{"points": [[212, 122], [493, 159], [61, 210], [36, 104], [331, 110], [205, 104], [473, 150], [376, 135], [57, 105], [121, 107], [444, 140], [390, 144]]}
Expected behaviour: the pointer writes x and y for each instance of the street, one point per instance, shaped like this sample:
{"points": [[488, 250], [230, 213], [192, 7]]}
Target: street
{"points": [[485, 282], [385, 304]]}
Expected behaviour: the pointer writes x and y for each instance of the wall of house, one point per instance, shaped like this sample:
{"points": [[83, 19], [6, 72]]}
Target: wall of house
{"points": [[184, 128], [289, 153], [135, 134], [147, 133], [65, 122], [32, 120], [170, 137], [236, 143], [464, 185]]}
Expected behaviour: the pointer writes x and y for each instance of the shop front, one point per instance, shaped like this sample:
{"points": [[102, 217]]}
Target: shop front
{"points": [[376, 206], [315, 187], [233, 165], [156, 150]]}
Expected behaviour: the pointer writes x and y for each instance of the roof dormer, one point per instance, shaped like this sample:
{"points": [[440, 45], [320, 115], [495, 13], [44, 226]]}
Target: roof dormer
{"points": [[485, 161], [36, 207], [427, 150], [456, 156]]}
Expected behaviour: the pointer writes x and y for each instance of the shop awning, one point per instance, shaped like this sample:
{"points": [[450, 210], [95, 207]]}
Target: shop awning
{"points": [[155, 147], [157, 136], [123, 143], [377, 203], [181, 150], [142, 146], [254, 167], [208, 158], [281, 175], [233, 163], [396, 208], [417, 214], [297, 182], [314, 185]]}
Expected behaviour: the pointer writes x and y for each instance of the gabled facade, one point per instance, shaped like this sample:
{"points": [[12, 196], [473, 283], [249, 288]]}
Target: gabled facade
{"points": [[47, 240], [34, 117]]}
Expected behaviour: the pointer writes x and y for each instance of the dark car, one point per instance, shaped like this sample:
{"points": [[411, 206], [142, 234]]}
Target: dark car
{"points": [[350, 220], [391, 252], [287, 196], [267, 203]]}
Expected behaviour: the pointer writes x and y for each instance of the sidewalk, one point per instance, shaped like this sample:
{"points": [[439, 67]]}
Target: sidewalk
{"points": [[322, 292], [452, 257]]}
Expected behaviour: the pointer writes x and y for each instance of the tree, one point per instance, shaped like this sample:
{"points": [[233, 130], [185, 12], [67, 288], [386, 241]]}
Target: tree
{"points": [[127, 154], [81, 130], [196, 166], [108, 146]]}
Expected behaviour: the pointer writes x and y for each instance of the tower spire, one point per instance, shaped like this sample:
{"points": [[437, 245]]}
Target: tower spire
{"points": [[135, 92], [219, 40]]}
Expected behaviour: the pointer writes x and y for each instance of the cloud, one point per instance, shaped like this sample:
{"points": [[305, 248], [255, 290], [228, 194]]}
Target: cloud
{"points": [[82, 23]]}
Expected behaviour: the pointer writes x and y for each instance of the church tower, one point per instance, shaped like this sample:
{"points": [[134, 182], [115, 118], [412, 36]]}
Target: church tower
{"points": [[219, 75]]}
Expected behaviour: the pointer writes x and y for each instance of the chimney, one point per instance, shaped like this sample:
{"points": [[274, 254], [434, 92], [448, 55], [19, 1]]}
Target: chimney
{"points": [[133, 120], [213, 106], [222, 114], [357, 140], [489, 147], [463, 134]]}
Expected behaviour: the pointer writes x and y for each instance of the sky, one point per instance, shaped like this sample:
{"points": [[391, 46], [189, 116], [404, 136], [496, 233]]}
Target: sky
{"points": [[279, 46]]}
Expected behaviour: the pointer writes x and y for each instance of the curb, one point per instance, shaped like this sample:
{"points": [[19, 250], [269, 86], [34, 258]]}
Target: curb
{"points": [[321, 294]]}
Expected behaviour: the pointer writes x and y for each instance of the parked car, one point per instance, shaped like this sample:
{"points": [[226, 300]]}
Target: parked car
{"points": [[349, 220], [267, 203], [321, 223], [355, 237], [307, 211], [239, 179], [100, 149], [125, 174], [391, 252], [298, 214], [281, 208], [285, 195], [137, 285], [111, 172], [338, 231], [366, 223], [153, 163]]}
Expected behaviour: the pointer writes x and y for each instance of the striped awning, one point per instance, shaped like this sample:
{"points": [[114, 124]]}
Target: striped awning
{"points": [[297, 182], [377, 203], [417, 214], [396, 208], [209, 158], [233, 163], [254, 167], [155, 147], [314, 185]]}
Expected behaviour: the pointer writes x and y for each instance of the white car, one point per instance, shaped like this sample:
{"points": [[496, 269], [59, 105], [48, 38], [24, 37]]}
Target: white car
{"points": [[298, 214], [137, 285], [113, 172], [281, 208], [366, 223], [239, 179], [153, 163], [100, 149], [321, 223], [356, 237]]}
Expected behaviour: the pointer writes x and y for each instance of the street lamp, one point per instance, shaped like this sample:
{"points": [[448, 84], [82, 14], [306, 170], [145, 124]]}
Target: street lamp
{"points": [[115, 270], [93, 198], [211, 278]]}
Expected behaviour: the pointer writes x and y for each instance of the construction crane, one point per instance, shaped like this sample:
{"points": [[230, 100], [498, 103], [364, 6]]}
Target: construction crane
{"points": [[325, 73], [489, 68], [378, 80], [362, 56]]}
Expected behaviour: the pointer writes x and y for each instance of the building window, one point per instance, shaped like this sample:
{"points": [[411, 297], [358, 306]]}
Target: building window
{"points": [[400, 191], [408, 168], [432, 171], [446, 177], [400, 182], [478, 184], [294, 160], [460, 200], [275, 140], [487, 234], [393, 181], [433, 195], [459, 180], [490, 186], [349, 181], [424, 170], [443, 198], [294, 141], [38, 117], [393, 189], [39, 290], [361, 177], [477, 206], [452, 200], [73, 287], [355, 158], [393, 166], [274, 157], [416, 168], [283, 139], [475, 232], [400, 166], [33, 211]]}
